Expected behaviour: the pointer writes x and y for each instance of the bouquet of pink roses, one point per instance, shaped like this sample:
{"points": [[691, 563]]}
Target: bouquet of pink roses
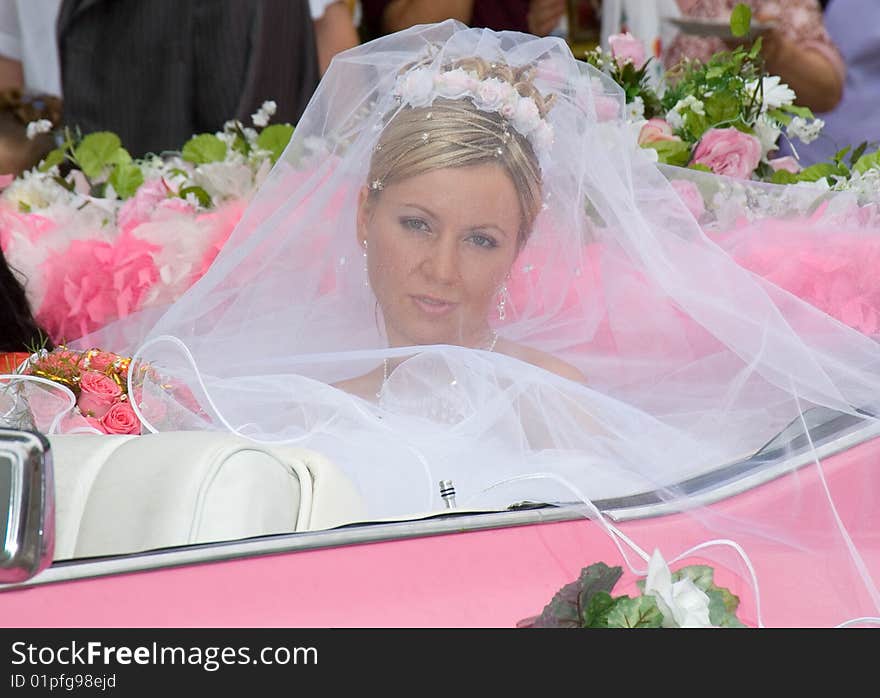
{"points": [[98, 379]]}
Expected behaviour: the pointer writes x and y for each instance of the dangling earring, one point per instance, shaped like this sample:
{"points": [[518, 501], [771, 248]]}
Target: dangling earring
{"points": [[366, 268], [502, 301]]}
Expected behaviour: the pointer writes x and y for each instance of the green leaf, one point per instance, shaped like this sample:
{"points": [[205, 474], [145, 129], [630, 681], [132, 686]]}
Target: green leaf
{"points": [[55, 157], [699, 166], [803, 112], [126, 178], [95, 152], [568, 606], [780, 116], [638, 612], [866, 162], [671, 152], [700, 575], [783, 177], [203, 196], [722, 608], [63, 183], [204, 148], [23, 207], [119, 157], [722, 107], [858, 152], [275, 138], [597, 610], [814, 173], [740, 19]]}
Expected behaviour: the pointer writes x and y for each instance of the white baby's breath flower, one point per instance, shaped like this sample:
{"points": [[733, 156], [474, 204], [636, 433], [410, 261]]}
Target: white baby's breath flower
{"points": [[767, 132], [692, 103], [269, 107], [803, 130], [260, 119], [776, 93], [635, 110], [673, 118], [682, 603], [35, 128]]}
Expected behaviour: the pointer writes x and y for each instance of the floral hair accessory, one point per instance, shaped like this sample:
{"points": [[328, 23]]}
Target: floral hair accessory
{"points": [[419, 87]]}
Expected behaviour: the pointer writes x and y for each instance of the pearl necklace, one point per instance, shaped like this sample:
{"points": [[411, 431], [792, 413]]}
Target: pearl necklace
{"points": [[491, 347]]}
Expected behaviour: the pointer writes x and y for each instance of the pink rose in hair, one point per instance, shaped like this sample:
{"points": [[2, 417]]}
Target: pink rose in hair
{"points": [[97, 393], [121, 419], [689, 193], [728, 151], [625, 48], [787, 163], [656, 130]]}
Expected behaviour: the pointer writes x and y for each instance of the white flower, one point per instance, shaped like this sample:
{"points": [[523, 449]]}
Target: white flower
{"points": [[416, 86], [682, 604], [260, 119], [262, 116], [492, 93], [269, 107], [803, 130], [454, 83], [35, 128], [635, 110], [776, 93], [767, 132], [526, 116], [692, 103], [673, 118]]}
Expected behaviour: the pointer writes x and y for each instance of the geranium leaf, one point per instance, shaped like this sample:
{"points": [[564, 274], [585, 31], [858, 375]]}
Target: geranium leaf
{"points": [[722, 608], [671, 152], [55, 157], [275, 138], [740, 19], [567, 608], [204, 148], [203, 196], [700, 575], [95, 151], [597, 610], [638, 612], [126, 178]]}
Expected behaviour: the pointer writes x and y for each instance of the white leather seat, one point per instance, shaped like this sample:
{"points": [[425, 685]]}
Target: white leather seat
{"points": [[121, 494]]}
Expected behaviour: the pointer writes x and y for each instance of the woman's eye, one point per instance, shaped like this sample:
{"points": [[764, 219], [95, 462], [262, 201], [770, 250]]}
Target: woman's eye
{"points": [[481, 240], [416, 224]]}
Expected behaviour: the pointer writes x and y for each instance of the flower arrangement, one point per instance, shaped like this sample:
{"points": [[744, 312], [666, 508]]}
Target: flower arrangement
{"points": [[727, 115], [686, 598], [98, 380], [98, 234]]}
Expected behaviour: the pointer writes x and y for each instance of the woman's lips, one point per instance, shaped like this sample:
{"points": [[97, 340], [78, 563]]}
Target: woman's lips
{"points": [[433, 306]]}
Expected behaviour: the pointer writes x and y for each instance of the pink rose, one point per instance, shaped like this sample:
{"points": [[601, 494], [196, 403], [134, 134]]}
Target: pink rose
{"points": [[625, 48], [689, 193], [121, 419], [728, 151], [787, 163], [97, 393], [656, 130], [102, 360]]}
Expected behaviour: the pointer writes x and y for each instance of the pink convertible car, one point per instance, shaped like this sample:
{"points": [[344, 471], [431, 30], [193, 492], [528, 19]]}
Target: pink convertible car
{"points": [[205, 529]]}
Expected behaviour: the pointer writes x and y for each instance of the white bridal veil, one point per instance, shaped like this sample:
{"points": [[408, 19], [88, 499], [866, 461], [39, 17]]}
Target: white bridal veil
{"points": [[692, 359]]}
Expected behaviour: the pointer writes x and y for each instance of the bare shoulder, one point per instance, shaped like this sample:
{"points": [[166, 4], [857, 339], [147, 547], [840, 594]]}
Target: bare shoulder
{"points": [[542, 359], [364, 386]]}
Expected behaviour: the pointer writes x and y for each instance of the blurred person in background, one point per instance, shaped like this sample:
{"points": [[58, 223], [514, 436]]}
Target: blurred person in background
{"points": [[335, 28], [538, 17], [797, 46], [30, 81], [157, 72], [854, 25]]}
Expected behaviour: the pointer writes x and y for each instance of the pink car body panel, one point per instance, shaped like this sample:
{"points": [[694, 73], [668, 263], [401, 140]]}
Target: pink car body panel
{"points": [[492, 577]]}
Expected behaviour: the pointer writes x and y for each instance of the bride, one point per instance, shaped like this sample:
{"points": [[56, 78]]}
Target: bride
{"points": [[462, 269]]}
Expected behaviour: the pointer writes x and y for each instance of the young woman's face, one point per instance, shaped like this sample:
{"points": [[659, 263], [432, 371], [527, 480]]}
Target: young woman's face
{"points": [[439, 246]]}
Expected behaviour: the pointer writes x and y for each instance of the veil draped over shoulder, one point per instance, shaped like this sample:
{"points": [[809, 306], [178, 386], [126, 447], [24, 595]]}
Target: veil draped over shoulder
{"points": [[692, 359]]}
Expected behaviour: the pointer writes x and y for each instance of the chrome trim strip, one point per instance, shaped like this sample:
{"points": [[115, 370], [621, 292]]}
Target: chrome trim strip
{"points": [[442, 523]]}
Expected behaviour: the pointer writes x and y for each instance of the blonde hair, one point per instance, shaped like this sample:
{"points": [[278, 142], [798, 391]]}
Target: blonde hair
{"points": [[455, 133]]}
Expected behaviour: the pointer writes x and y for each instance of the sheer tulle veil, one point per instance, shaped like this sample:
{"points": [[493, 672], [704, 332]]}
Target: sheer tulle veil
{"points": [[691, 359]]}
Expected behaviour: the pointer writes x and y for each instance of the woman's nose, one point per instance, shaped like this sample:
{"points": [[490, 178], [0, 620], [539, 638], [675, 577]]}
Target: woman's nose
{"points": [[442, 262]]}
